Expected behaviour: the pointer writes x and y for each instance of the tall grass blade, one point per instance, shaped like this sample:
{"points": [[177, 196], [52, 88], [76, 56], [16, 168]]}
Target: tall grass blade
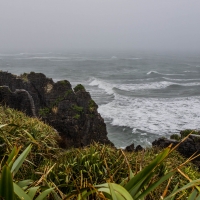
{"points": [[198, 197], [156, 184], [185, 187], [24, 183], [122, 191], [176, 188], [20, 192], [6, 184], [111, 188], [112, 192], [30, 136], [85, 193], [145, 172], [135, 191], [55, 195], [32, 191], [131, 174], [193, 195], [44, 194], [12, 156], [2, 125], [19, 161]]}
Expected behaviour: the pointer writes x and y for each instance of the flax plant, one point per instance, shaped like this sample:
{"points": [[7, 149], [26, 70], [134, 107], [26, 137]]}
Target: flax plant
{"points": [[11, 189], [140, 185]]}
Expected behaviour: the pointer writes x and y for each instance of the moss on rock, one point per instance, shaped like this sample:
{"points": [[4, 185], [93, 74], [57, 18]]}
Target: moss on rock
{"points": [[79, 87]]}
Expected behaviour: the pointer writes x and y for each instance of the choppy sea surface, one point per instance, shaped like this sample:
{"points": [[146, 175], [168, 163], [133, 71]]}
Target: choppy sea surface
{"points": [[141, 96]]}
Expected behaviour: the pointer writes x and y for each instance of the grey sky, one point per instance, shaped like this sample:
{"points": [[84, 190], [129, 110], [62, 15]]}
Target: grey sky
{"points": [[33, 25]]}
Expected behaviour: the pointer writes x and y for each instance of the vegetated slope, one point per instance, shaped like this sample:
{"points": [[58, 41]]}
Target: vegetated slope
{"points": [[77, 168], [17, 129]]}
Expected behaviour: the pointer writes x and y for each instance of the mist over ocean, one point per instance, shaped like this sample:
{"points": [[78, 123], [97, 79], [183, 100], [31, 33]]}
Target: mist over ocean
{"points": [[141, 96]]}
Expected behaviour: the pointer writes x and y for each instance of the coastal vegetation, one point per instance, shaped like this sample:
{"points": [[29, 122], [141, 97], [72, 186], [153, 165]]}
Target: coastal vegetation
{"points": [[79, 87], [184, 134], [33, 166]]}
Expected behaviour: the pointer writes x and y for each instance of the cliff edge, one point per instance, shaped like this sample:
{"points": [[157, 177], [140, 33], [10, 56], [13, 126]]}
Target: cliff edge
{"points": [[72, 112]]}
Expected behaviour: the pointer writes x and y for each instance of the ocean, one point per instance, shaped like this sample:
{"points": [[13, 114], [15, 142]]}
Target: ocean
{"points": [[141, 96]]}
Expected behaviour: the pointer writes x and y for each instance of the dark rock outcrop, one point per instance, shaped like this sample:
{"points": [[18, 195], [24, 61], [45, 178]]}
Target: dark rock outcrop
{"points": [[132, 148], [187, 148], [139, 148], [164, 142], [72, 113]]}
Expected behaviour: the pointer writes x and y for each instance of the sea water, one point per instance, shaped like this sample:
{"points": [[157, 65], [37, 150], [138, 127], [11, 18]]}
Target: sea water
{"points": [[141, 96]]}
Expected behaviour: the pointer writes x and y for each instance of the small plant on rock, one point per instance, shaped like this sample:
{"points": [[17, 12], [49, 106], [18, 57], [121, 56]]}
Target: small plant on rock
{"points": [[79, 87], [175, 137]]}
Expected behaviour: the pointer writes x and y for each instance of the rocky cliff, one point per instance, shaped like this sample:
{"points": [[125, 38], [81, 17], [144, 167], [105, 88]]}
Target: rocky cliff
{"points": [[187, 147], [72, 112]]}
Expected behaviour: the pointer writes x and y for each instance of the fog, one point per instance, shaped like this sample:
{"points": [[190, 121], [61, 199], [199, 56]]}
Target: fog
{"points": [[50, 25]]}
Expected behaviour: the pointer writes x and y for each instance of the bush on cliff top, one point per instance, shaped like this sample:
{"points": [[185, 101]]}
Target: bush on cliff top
{"points": [[184, 134], [76, 169], [79, 87]]}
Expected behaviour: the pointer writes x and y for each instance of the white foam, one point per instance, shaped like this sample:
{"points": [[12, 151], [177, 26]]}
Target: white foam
{"points": [[157, 116], [144, 86], [133, 58], [153, 85], [155, 72], [39, 53], [44, 58], [171, 79], [190, 84], [107, 87], [9, 55], [142, 141], [190, 71], [23, 54]]}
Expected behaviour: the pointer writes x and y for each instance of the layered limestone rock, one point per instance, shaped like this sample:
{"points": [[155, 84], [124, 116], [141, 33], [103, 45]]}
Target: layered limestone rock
{"points": [[72, 113]]}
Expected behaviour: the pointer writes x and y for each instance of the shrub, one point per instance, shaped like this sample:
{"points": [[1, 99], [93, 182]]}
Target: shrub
{"points": [[175, 137], [92, 106], [79, 87], [186, 132]]}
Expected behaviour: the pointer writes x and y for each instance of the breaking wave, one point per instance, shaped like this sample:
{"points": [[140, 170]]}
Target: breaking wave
{"points": [[109, 88], [155, 72]]}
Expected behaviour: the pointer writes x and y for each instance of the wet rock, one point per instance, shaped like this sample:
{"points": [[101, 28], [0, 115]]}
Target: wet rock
{"points": [[139, 148], [187, 148], [164, 142], [72, 113], [130, 148]]}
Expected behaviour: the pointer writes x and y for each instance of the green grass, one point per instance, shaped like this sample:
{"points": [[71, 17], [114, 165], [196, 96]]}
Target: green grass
{"points": [[19, 130], [77, 108], [76, 169], [186, 132]]}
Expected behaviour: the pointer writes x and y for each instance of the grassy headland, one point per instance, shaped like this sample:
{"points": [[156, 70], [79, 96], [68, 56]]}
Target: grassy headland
{"points": [[69, 172]]}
